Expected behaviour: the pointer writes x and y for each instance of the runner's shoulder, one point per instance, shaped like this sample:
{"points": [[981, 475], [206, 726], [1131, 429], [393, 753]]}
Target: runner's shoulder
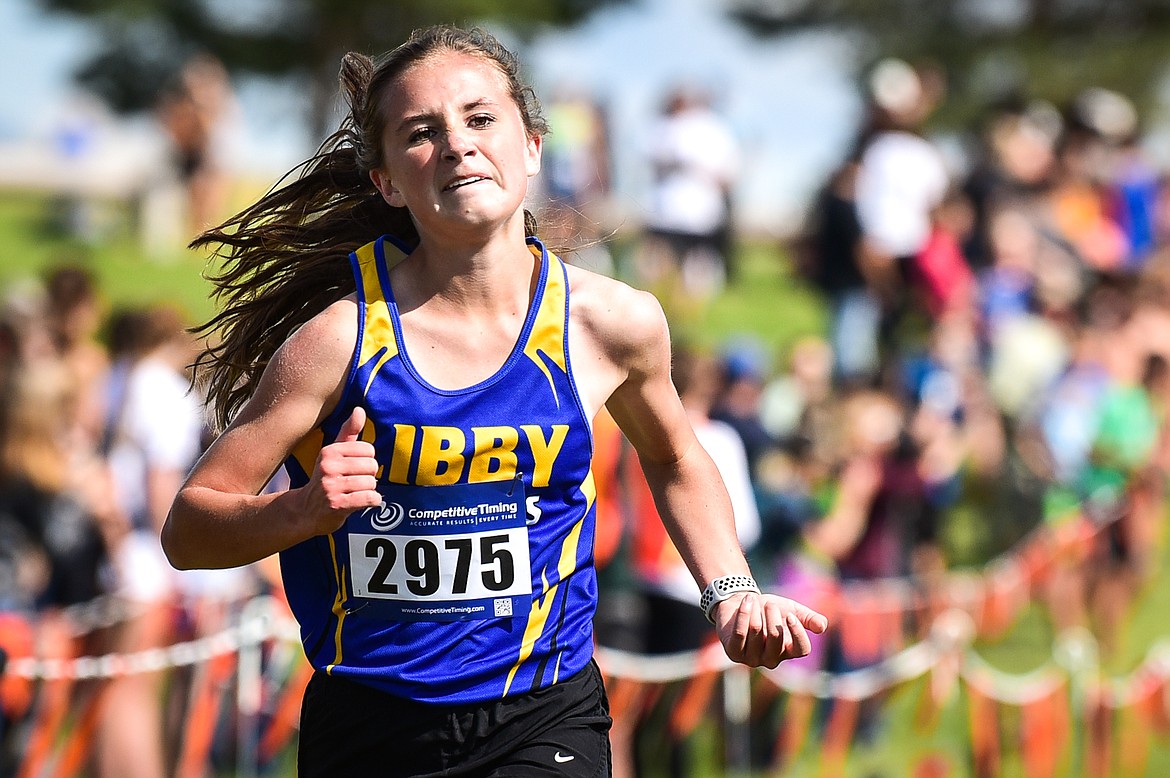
{"points": [[625, 319]]}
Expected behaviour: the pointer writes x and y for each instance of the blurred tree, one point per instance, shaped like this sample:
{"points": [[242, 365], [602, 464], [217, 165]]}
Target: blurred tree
{"points": [[147, 41], [994, 49]]}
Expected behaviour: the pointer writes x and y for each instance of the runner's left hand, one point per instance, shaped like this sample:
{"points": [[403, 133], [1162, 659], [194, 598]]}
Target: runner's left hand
{"points": [[762, 630]]}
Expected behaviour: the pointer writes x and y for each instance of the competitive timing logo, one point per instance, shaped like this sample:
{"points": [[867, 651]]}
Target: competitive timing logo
{"points": [[386, 516]]}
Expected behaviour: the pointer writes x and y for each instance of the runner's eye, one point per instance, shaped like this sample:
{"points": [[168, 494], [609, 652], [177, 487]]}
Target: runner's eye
{"points": [[420, 135]]}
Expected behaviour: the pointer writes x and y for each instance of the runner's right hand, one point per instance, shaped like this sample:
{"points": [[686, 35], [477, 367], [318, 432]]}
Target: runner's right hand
{"points": [[344, 478]]}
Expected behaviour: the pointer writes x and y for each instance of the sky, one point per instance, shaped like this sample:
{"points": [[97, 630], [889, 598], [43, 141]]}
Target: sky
{"points": [[36, 56], [791, 103]]}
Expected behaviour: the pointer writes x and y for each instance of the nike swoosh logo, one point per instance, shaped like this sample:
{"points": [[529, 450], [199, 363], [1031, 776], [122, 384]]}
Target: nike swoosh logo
{"points": [[557, 757]]}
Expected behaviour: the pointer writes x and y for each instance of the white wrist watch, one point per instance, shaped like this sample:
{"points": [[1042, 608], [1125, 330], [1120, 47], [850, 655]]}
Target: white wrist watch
{"points": [[721, 588]]}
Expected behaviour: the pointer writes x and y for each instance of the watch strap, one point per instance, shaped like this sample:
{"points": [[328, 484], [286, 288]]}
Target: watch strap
{"points": [[722, 588]]}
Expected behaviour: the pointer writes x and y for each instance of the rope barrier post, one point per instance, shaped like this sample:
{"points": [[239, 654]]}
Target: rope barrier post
{"points": [[737, 703], [255, 622], [54, 669], [1076, 652]]}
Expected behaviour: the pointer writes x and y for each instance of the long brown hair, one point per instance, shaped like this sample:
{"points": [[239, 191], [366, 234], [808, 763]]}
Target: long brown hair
{"points": [[286, 257]]}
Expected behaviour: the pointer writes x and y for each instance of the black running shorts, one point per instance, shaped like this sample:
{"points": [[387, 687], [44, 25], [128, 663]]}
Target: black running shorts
{"points": [[352, 730]]}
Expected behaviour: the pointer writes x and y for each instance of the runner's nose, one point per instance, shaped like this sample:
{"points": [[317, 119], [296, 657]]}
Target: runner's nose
{"points": [[456, 145]]}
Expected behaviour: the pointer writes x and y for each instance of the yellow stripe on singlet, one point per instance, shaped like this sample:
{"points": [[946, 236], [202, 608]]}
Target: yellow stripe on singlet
{"points": [[589, 489], [305, 452], [379, 329], [338, 607], [548, 331], [538, 616]]}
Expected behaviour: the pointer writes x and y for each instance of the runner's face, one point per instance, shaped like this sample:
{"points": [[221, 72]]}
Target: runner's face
{"points": [[455, 149]]}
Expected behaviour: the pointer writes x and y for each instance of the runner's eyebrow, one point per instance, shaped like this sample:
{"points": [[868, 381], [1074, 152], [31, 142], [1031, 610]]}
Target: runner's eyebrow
{"points": [[423, 117]]}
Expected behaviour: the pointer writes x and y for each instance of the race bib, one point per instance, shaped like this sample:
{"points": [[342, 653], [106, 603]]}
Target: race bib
{"points": [[442, 553]]}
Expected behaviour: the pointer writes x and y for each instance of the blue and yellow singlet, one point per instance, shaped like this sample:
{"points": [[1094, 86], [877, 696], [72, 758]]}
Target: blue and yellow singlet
{"points": [[474, 578]]}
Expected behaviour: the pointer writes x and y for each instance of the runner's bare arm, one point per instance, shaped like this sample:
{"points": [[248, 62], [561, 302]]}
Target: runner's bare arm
{"points": [[687, 487], [688, 490], [218, 518]]}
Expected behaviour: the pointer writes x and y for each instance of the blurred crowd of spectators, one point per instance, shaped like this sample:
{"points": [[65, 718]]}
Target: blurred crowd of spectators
{"points": [[98, 428], [1000, 328], [995, 363]]}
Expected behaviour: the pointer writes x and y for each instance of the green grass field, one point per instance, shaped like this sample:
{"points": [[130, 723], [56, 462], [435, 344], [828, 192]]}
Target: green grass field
{"points": [[32, 241], [767, 302]]}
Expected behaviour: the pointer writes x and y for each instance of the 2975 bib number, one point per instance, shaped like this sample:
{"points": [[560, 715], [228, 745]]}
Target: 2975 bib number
{"points": [[433, 568]]}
